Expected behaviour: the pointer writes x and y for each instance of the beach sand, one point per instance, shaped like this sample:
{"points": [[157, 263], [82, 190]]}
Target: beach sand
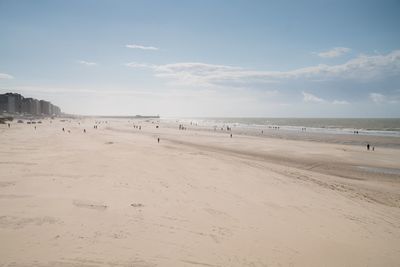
{"points": [[114, 196]]}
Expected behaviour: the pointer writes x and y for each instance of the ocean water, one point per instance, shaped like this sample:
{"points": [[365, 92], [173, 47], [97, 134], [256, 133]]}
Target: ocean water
{"points": [[364, 126]]}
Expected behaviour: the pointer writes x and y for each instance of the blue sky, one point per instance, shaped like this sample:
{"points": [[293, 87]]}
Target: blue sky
{"points": [[205, 58]]}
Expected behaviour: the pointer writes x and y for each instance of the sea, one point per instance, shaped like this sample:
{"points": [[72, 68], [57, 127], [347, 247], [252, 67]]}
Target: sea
{"points": [[362, 126]]}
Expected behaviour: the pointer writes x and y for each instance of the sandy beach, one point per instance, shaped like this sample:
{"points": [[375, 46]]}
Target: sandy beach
{"points": [[114, 196]]}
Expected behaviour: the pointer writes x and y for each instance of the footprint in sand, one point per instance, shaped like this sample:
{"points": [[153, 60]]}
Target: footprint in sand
{"points": [[20, 222], [90, 205], [137, 205], [7, 183]]}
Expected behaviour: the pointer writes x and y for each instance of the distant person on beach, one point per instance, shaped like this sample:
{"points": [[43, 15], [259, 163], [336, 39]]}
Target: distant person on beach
{"points": [[8, 125], [158, 139], [63, 129], [231, 135], [84, 130], [367, 146]]}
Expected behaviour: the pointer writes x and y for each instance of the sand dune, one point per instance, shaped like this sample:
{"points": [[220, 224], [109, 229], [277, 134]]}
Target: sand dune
{"points": [[113, 196]]}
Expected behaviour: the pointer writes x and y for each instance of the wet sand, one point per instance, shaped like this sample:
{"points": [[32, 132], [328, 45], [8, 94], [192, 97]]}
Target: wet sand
{"points": [[114, 196]]}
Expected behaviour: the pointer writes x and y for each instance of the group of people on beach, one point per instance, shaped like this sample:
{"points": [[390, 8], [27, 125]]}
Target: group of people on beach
{"points": [[369, 147], [223, 128], [64, 130], [182, 127]]}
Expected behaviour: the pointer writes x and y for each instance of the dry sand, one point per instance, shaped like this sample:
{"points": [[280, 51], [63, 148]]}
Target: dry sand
{"points": [[116, 197]]}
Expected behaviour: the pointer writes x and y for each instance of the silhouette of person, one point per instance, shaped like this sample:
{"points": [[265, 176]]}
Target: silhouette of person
{"points": [[158, 139], [367, 146]]}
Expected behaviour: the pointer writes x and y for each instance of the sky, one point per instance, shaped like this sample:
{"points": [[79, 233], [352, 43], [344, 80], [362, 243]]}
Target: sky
{"points": [[205, 58]]}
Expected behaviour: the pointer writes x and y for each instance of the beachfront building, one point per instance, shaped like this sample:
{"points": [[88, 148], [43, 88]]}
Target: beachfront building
{"points": [[30, 106], [3, 103], [36, 107], [11, 103], [45, 107], [27, 105], [55, 110], [16, 104]]}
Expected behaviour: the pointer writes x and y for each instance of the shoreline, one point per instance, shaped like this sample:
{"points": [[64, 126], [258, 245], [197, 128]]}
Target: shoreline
{"points": [[342, 138], [380, 126]]}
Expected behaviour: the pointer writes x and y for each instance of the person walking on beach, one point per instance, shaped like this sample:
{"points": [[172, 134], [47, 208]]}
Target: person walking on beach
{"points": [[367, 146], [158, 139]]}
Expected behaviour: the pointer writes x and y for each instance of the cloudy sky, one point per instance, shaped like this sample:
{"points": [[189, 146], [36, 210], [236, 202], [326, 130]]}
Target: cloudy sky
{"points": [[205, 58]]}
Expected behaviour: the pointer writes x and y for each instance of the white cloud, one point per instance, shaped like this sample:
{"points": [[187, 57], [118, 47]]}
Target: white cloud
{"points": [[340, 102], [377, 98], [334, 52], [5, 76], [307, 97], [361, 68], [142, 47], [86, 63], [381, 99]]}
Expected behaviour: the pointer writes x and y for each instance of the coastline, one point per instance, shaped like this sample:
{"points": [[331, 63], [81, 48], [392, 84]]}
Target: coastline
{"points": [[115, 196], [293, 134]]}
